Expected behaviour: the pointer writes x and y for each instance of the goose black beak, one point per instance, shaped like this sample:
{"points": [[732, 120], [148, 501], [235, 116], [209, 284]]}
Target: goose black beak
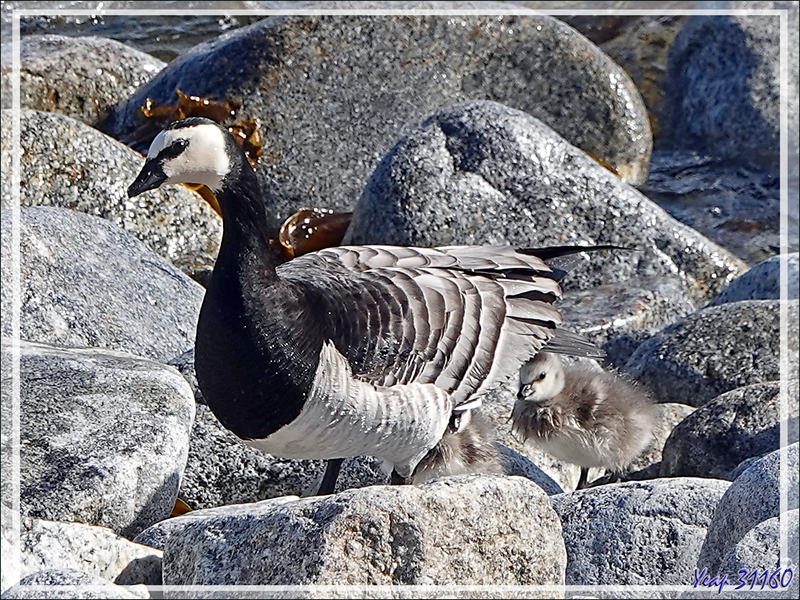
{"points": [[149, 178]]}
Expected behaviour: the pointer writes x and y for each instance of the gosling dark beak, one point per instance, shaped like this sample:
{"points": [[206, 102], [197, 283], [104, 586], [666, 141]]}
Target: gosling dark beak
{"points": [[150, 177]]}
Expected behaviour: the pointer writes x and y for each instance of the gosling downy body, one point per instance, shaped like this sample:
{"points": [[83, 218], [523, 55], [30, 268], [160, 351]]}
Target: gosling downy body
{"points": [[348, 351], [582, 415]]}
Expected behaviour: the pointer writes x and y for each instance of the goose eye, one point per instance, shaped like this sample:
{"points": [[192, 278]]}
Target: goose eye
{"points": [[541, 376], [174, 149]]}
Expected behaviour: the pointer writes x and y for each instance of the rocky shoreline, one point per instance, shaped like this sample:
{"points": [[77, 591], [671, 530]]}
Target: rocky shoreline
{"points": [[433, 130]]}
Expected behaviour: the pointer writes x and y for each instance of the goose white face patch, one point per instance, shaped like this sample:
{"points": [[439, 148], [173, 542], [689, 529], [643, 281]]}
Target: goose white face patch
{"points": [[202, 159]]}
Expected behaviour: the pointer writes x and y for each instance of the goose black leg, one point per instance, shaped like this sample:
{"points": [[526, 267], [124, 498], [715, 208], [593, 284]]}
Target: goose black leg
{"points": [[331, 474], [583, 479], [397, 480]]}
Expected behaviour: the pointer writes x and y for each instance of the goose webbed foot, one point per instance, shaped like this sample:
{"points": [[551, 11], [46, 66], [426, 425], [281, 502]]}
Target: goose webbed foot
{"points": [[331, 475]]}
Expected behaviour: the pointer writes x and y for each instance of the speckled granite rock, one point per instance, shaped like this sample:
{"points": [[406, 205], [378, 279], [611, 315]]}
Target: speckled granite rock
{"points": [[637, 533], [715, 350], [318, 84], [733, 427], [66, 163], [464, 530], [760, 549], [752, 498], [724, 86], [95, 551], [86, 282], [66, 583], [482, 172], [104, 435], [763, 281], [80, 77]]}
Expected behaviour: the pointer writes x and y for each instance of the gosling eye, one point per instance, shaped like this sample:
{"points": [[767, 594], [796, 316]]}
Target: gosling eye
{"points": [[541, 376]]}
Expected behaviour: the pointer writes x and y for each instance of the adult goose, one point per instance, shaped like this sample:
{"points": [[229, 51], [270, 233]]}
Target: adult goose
{"points": [[348, 351]]}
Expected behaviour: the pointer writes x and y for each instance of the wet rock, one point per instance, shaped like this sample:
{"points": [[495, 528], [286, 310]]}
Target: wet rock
{"points": [[80, 77], [735, 206], [482, 173], [733, 427], [716, 350], [318, 86], [95, 551], [72, 584], [763, 281], [626, 308], [752, 498], [469, 530], [104, 435], [86, 282], [68, 164], [655, 528]]}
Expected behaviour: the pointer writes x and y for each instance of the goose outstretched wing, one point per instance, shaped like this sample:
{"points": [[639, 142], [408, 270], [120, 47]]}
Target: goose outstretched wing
{"points": [[461, 317]]}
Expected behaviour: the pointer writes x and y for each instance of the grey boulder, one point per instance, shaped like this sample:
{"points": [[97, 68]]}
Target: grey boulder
{"points": [[760, 549], [69, 164], [104, 435], [93, 550], [66, 583], [724, 87], [83, 281], [637, 533], [715, 350], [468, 530], [763, 281], [733, 427], [753, 497], [318, 84], [484, 173], [80, 77]]}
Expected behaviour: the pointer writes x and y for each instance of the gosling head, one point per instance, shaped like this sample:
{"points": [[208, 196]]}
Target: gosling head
{"points": [[541, 378], [195, 150]]}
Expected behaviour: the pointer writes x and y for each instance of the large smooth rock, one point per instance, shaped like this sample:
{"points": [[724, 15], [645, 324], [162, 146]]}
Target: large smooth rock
{"points": [[96, 551], [66, 583], [484, 173], [763, 281], [733, 427], [334, 93], [104, 435], [464, 530], [66, 163], [723, 87], [80, 77], [752, 498], [637, 533], [86, 282], [716, 350]]}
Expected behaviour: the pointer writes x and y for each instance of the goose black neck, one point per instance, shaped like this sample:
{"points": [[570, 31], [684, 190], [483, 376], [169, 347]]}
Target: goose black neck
{"points": [[246, 224]]}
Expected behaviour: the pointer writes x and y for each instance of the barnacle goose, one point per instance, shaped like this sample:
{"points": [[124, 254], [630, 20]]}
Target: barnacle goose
{"points": [[347, 351], [582, 415]]}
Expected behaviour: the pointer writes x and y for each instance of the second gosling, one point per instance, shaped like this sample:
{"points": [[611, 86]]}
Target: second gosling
{"points": [[582, 415]]}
